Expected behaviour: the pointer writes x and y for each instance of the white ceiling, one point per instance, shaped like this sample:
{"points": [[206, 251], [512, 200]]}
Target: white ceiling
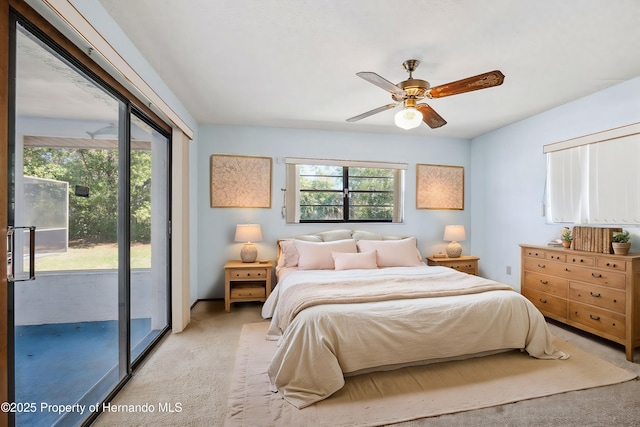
{"points": [[292, 63]]}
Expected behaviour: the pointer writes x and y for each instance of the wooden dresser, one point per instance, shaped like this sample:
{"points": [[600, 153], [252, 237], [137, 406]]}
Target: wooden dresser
{"points": [[598, 293]]}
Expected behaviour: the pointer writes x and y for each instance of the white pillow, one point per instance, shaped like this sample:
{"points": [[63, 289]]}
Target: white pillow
{"points": [[317, 256], [393, 253], [349, 261]]}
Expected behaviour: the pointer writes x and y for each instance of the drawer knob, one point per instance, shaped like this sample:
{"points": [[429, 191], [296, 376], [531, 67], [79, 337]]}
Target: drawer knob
{"points": [[594, 317], [595, 295], [542, 300], [541, 266], [544, 282], [598, 276], [566, 269]]}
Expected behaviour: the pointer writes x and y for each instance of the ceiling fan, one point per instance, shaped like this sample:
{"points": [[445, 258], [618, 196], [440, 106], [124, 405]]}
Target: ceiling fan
{"points": [[409, 91]]}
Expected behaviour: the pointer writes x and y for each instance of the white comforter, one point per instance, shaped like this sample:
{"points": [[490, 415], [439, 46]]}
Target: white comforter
{"points": [[324, 342]]}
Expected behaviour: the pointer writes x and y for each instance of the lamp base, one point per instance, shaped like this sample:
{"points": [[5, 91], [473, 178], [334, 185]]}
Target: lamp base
{"points": [[454, 250], [248, 253]]}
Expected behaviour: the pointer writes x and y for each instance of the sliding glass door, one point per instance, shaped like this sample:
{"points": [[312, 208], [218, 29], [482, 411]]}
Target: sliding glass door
{"points": [[88, 206]]}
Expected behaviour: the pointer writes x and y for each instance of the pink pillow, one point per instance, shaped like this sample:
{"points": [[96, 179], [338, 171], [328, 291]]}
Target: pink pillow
{"points": [[393, 253], [288, 254], [349, 261], [317, 256]]}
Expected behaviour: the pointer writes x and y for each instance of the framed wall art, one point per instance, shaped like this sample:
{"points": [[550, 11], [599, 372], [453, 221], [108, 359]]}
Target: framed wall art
{"points": [[439, 187], [240, 181]]}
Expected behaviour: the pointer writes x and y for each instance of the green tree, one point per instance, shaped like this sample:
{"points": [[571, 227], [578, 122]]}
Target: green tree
{"points": [[94, 219]]}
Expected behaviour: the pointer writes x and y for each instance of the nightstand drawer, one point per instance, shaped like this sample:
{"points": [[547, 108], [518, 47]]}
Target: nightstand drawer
{"points": [[248, 274], [464, 264], [248, 291]]}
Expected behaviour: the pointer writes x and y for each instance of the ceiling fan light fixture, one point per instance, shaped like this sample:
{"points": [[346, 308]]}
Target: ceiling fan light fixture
{"points": [[408, 118]]}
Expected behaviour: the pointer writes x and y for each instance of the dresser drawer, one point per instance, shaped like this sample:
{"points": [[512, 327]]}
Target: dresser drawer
{"points": [[248, 274], [547, 284], [611, 264], [248, 291], [547, 304], [611, 279], [544, 266], [556, 256], [534, 253], [599, 319], [611, 299], [587, 261]]}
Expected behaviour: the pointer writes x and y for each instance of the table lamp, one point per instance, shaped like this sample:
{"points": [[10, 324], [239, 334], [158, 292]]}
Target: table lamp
{"points": [[454, 234], [248, 233]]}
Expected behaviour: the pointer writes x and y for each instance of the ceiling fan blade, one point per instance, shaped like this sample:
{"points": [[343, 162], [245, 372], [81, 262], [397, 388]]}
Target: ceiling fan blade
{"points": [[481, 81], [430, 117], [372, 112], [381, 82]]}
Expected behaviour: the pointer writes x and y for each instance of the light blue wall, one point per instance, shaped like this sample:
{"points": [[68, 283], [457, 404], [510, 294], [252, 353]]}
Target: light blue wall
{"points": [[216, 226], [508, 171]]}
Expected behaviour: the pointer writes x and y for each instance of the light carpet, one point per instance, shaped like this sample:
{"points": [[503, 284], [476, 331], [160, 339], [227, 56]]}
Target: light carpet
{"points": [[381, 398]]}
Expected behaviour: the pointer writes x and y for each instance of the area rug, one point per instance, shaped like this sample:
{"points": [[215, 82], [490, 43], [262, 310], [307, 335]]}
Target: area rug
{"points": [[405, 394]]}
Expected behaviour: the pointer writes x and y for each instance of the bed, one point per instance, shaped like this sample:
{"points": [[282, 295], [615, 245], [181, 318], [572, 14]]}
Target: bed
{"points": [[348, 302]]}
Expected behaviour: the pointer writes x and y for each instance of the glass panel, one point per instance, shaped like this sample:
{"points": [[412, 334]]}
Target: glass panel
{"points": [[66, 328], [149, 243]]}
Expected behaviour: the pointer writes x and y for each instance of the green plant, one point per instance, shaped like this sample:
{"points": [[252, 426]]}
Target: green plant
{"points": [[566, 235], [621, 237]]}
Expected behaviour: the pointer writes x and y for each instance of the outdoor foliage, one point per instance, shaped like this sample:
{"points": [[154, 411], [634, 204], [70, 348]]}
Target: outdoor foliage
{"points": [[322, 190], [94, 219]]}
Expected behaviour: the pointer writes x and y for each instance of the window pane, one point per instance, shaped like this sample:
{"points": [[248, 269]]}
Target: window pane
{"points": [[321, 213], [314, 177], [371, 199], [362, 213], [370, 179]]}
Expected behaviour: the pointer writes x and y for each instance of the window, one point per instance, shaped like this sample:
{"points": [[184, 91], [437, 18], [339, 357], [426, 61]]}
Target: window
{"points": [[595, 183], [344, 191]]}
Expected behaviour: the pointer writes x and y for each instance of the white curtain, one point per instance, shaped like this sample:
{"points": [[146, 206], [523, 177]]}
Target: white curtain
{"points": [[598, 183]]}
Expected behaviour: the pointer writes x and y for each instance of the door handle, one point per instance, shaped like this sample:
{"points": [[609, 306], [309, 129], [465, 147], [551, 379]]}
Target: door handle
{"points": [[11, 244]]}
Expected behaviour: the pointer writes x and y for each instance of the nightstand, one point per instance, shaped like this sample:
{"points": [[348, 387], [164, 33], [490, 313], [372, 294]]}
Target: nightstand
{"points": [[465, 264], [246, 281]]}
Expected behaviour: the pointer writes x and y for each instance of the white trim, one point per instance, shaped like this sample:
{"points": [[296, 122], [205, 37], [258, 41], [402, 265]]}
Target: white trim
{"points": [[353, 163], [606, 135], [76, 20], [180, 241]]}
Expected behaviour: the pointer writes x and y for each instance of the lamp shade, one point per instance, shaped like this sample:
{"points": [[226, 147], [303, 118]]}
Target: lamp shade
{"points": [[408, 118], [454, 233], [248, 233]]}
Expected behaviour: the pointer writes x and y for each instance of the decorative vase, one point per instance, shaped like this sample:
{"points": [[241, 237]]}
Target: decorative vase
{"points": [[566, 243], [621, 248]]}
